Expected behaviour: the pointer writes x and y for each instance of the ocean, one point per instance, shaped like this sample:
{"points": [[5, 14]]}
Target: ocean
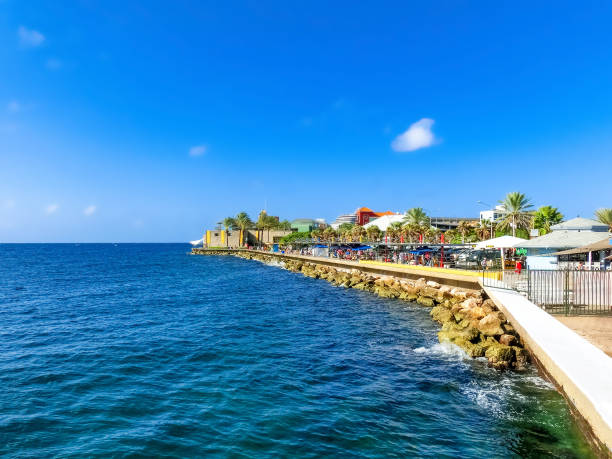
{"points": [[143, 350]]}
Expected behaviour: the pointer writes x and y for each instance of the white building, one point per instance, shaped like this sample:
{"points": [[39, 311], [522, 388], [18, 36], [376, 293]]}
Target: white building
{"points": [[347, 218], [493, 214]]}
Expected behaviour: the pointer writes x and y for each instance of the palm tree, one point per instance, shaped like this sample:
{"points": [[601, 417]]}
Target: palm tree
{"points": [[451, 235], [284, 225], [393, 231], [485, 230], [518, 212], [244, 222], [329, 234], [604, 216], [412, 231], [373, 233], [344, 231], [464, 228], [432, 234], [358, 232], [545, 217], [316, 233], [416, 216], [229, 224]]}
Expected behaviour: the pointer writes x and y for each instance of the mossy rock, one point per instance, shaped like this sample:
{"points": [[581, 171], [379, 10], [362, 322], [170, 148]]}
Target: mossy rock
{"points": [[521, 358], [425, 301], [441, 314], [500, 356], [452, 332]]}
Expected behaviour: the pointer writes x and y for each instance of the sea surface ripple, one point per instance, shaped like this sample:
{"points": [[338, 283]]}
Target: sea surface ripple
{"points": [[143, 350]]}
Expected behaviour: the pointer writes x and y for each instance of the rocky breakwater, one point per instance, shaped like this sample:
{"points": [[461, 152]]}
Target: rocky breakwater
{"points": [[468, 319]]}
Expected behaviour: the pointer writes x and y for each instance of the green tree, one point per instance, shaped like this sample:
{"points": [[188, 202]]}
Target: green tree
{"points": [[284, 225], [432, 235], [373, 233], [518, 212], [416, 216], [316, 233], [394, 231], [344, 231], [244, 222], [545, 217], [452, 236], [229, 223], [329, 234], [358, 232], [604, 216], [289, 238], [483, 230], [464, 228]]}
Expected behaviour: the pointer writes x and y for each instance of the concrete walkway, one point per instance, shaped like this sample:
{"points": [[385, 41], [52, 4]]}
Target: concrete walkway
{"points": [[581, 370], [596, 329]]}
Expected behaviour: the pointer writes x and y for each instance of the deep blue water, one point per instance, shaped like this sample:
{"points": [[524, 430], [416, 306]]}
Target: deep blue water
{"points": [[144, 350]]}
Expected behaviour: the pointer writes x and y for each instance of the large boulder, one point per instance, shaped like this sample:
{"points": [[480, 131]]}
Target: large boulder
{"points": [[489, 306], [500, 356], [508, 340], [472, 303], [451, 331], [441, 314], [429, 292], [426, 301], [433, 284], [490, 325], [521, 358], [459, 294], [475, 313]]}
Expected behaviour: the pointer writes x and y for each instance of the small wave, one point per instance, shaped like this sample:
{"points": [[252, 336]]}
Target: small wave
{"points": [[444, 349]]}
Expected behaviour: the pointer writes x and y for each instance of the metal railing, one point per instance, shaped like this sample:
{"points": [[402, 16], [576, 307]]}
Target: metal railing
{"points": [[569, 292]]}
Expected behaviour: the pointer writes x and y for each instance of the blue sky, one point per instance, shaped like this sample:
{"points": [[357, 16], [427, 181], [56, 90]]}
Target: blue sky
{"points": [[301, 106]]}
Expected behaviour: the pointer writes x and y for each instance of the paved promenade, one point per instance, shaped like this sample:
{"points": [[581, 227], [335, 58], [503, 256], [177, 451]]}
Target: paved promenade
{"points": [[582, 371]]}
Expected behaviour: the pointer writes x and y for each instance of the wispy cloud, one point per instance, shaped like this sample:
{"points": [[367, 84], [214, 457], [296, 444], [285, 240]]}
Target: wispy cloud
{"points": [[13, 106], [29, 37], [417, 136], [197, 150], [89, 210], [51, 208], [53, 63]]}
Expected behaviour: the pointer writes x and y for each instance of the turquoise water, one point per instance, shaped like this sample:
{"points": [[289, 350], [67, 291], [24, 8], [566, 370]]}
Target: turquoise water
{"points": [[144, 350]]}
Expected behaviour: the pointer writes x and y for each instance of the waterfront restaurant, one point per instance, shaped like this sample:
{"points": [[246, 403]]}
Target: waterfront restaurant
{"points": [[571, 234], [596, 256]]}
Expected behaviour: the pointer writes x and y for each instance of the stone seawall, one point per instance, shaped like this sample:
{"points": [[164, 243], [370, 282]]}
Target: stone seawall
{"points": [[469, 320]]}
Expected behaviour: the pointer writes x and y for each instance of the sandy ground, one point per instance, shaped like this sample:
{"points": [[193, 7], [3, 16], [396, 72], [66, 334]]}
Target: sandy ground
{"points": [[597, 330]]}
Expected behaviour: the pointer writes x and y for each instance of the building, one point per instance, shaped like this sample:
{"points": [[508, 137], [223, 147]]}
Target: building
{"points": [[493, 214], [351, 219], [237, 238], [303, 225], [364, 215], [385, 221], [596, 255], [446, 223], [571, 234]]}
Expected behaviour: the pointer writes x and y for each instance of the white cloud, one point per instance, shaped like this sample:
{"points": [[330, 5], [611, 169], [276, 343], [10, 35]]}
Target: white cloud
{"points": [[13, 106], [30, 37], [51, 208], [89, 210], [53, 64], [198, 150], [417, 136]]}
